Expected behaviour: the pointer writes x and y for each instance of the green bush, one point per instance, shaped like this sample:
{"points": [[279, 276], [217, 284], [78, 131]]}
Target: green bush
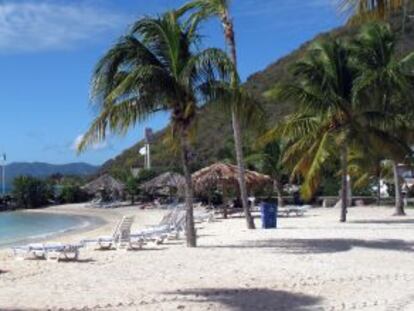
{"points": [[72, 193], [30, 192]]}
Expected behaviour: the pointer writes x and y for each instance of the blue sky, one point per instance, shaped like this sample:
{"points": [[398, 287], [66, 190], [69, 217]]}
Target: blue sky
{"points": [[48, 49]]}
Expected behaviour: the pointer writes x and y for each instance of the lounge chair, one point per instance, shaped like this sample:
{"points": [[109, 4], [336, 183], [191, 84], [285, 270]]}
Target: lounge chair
{"points": [[48, 251], [298, 210], [120, 239], [203, 216], [169, 228]]}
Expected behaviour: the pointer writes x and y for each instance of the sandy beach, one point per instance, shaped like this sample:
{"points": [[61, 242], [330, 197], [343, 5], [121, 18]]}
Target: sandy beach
{"points": [[308, 263]]}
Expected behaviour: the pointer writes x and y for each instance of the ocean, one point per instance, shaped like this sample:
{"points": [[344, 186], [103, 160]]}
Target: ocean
{"points": [[19, 227]]}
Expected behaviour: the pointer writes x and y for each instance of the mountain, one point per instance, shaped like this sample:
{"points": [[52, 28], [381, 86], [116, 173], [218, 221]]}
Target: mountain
{"points": [[38, 169], [214, 140]]}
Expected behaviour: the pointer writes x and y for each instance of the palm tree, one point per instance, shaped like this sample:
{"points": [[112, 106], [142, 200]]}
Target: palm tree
{"points": [[323, 123], [330, 119], [270, 161], [205, 9], [387, 81], [156, 68]]}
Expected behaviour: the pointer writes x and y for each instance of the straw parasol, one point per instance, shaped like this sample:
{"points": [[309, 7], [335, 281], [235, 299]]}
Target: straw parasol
{"points": [[105, 182], [222, 176], [165, 183]]}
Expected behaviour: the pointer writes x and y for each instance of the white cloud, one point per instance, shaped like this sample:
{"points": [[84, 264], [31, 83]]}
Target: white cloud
{"points": [[28, 26], [96, 146]]}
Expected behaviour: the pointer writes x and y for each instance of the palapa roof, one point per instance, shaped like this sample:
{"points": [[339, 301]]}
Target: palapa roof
{"points": [[106, 182], [165, 180], [225, 175]]}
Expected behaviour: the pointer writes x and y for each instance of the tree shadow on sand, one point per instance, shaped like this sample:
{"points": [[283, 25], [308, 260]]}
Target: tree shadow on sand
{"points": [[249, 299], [383, 221], [320, 246]]}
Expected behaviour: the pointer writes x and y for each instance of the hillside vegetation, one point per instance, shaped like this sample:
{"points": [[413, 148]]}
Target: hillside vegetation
{"points": [[214, 140]]}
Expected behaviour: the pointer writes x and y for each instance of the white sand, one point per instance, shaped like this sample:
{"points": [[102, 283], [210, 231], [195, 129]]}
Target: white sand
{"points": [[309, 263]]}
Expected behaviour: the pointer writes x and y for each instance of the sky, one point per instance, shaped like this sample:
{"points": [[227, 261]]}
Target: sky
{"points": [[48, 49]]}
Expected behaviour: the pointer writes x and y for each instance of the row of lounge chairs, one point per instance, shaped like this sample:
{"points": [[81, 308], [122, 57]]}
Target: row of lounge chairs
{"points": [[99, 203], [50, 251], [170, 227]]}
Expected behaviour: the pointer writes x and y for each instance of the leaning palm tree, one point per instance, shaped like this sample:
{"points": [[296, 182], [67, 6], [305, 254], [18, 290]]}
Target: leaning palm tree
{"points": [[387, 81], [330, 120], [156, 67], [202, 10]]}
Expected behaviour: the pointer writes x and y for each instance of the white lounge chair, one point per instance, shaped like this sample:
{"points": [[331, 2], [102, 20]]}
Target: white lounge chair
{"points": [[203, 216], [294, 209], [120, 239], [49, 251], [169, 228]]}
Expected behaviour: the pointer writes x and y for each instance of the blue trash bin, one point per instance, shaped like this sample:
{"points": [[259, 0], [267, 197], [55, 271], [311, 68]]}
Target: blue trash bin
{"points": [[268, 213]]}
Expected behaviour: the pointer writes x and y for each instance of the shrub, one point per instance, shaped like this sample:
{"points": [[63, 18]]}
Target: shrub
{"points": [[31, 192]]}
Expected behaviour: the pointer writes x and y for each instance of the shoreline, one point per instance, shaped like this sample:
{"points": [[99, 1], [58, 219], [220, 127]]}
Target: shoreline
{"points": [[88, 222]]}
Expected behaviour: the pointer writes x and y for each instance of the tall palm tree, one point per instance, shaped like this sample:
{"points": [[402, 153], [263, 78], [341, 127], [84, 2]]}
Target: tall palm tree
{"points": [[156, 67], [385, 79], [205, 9], [330, 120]]}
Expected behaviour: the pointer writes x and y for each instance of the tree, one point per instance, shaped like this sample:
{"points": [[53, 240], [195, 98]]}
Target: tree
{"points": [[156, 67], [72, 193], [270, 161], [330, 119], [387, 81], [205, 9], [30, 192], [132, 188]]}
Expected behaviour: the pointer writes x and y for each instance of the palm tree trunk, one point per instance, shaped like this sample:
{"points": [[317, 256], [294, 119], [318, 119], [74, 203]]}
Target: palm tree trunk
{"points": [[241, 169], [230, 39], [278, 190], [190, 229], [344, 183], [399, 205]]}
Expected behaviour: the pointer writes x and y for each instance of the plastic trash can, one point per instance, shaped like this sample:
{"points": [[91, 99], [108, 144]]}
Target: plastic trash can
{"points": [[268, 213]]}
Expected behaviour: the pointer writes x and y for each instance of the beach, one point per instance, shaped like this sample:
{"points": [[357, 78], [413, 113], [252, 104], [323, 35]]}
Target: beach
{"points": [[308, 263]]}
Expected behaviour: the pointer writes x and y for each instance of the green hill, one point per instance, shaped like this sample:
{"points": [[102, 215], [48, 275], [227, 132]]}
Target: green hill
{"points": [[214, 138]]}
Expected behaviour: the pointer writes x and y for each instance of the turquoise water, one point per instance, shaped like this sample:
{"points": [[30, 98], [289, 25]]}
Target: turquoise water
{"points": [[21, 227]]}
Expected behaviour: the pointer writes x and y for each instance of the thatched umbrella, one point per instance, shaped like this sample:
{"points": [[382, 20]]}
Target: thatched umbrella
{"points": [[165, 183], [105, 183], [224, 176]]}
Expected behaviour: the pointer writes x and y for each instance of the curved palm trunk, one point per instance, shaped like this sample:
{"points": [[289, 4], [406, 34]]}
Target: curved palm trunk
{"points": [[229, 35], [399, 205], [190, 229], [344, 183]]}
